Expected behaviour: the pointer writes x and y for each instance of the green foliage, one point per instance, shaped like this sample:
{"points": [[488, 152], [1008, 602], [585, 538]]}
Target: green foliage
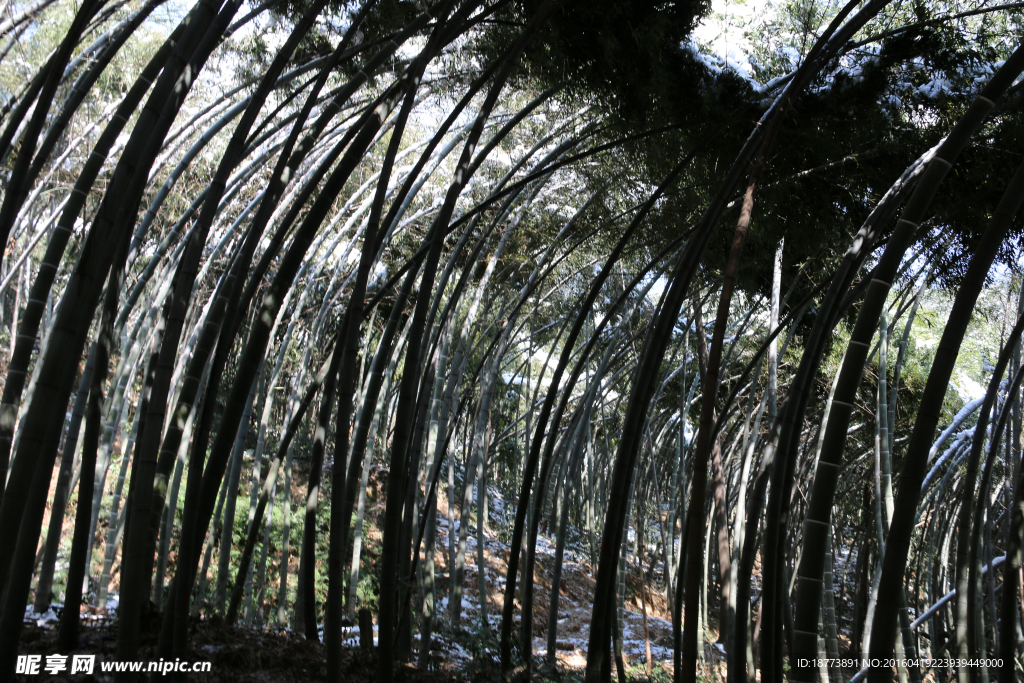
{"points": [[368, 590], [482, 646], [660, 673], [631, 55]]}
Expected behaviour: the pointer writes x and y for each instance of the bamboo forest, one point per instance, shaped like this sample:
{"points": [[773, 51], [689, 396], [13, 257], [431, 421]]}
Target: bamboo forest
{"points": [[511, 340]]}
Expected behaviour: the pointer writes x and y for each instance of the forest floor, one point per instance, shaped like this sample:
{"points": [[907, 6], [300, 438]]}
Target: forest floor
{"points": [[465, 653], [576, 596]]}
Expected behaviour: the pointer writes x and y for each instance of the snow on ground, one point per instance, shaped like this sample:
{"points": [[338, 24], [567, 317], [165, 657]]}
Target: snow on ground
{"points": [[575, 596], [51, 617]]}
